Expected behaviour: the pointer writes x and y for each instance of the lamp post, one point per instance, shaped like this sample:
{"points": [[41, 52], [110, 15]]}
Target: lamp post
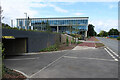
{"points": [[57, 27], [26, 20], [1, 15], [0, 29]]}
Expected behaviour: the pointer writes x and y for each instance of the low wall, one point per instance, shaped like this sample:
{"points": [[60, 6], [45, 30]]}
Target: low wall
{"points": [[63, 38], [35, 40]]}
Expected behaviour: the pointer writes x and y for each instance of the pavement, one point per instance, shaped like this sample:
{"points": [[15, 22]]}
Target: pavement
{"points": [[82, 47], [89, 43], [81, 62]]}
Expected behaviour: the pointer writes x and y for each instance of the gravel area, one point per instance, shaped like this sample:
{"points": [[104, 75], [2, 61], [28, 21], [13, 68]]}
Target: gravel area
{"points": [[11, 74]]}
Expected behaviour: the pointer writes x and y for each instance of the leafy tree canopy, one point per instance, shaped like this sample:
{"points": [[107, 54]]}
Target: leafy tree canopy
{"points": [[103, 33], [113, 32], [91, 31], [5, 25], [48, 26]]}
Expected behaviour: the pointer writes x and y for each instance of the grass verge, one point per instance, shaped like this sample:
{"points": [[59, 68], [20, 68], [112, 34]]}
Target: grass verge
{"points": [[113, 38], [99, 45], [118, 38], [96, 39]]}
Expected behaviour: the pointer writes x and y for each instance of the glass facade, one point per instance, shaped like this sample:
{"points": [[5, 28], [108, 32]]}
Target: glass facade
{"points": [[64, 24], [67, 22]]}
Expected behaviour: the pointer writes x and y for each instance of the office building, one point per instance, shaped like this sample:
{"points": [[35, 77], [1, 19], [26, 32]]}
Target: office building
{"points": [[62, 24]]}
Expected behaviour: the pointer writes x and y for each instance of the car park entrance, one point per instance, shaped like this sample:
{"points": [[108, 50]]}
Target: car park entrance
{"points": [[14, 46]]}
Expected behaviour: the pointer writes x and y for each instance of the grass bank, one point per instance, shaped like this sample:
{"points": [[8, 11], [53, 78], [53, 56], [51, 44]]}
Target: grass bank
{"points": [[99, 45]]}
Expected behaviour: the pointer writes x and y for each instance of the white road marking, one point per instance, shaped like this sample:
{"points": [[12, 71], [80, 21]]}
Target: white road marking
{"points": [[88, 58], [23, 58], [48, 65], [111, 55], [111, 50], [114, 52], [71, 57]]}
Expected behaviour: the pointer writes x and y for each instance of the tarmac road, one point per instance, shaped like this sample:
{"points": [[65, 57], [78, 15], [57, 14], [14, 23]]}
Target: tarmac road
{"points": [[85, 63], [112, 44]]}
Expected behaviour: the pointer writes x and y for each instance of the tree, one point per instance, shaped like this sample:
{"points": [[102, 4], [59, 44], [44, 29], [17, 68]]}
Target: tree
{"points": [[5, 25], [95, 33], [76, 31], [98, 35], [43, 22], [113, 32], [70, 27], [91, 31], [48, 27], [103, 33], [77, 28]]}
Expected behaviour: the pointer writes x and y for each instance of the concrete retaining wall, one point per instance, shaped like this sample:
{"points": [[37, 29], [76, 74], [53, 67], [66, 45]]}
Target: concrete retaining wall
{"points": [[35, 40], [63, 38]]}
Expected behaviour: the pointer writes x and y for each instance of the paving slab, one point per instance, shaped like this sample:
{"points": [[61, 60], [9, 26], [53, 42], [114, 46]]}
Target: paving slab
{"points": [[82, 47]]}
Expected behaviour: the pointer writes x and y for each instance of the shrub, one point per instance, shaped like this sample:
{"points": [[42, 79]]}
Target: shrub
{"points": [[67, 41], [16, 28], [9, 27], [51, 48], [63, 42], [118, 38], [79, 42], [2, 56], [73, 41], [22, 29], [73, 35], [80, 38], [63, 33]]}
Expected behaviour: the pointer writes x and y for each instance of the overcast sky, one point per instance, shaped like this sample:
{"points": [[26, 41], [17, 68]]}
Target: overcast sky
{"points": [[103, 14]]}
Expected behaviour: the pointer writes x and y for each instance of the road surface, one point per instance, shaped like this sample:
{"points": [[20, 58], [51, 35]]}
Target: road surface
{"points": [[112, 44], [85, 63]]}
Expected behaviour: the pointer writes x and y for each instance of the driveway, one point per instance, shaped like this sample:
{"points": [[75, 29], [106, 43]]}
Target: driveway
{"points": [[83, 63]]}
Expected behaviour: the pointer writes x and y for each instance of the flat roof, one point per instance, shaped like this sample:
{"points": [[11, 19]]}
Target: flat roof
{"points": [[56, 18]]}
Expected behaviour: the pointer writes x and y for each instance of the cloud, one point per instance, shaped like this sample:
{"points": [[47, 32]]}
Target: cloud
{"points": [[77, 0], [13, 9], [58, 9], [48, 4], [67, 3], [38, 5], [78, 14], [112, 6], [104, 25]]}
